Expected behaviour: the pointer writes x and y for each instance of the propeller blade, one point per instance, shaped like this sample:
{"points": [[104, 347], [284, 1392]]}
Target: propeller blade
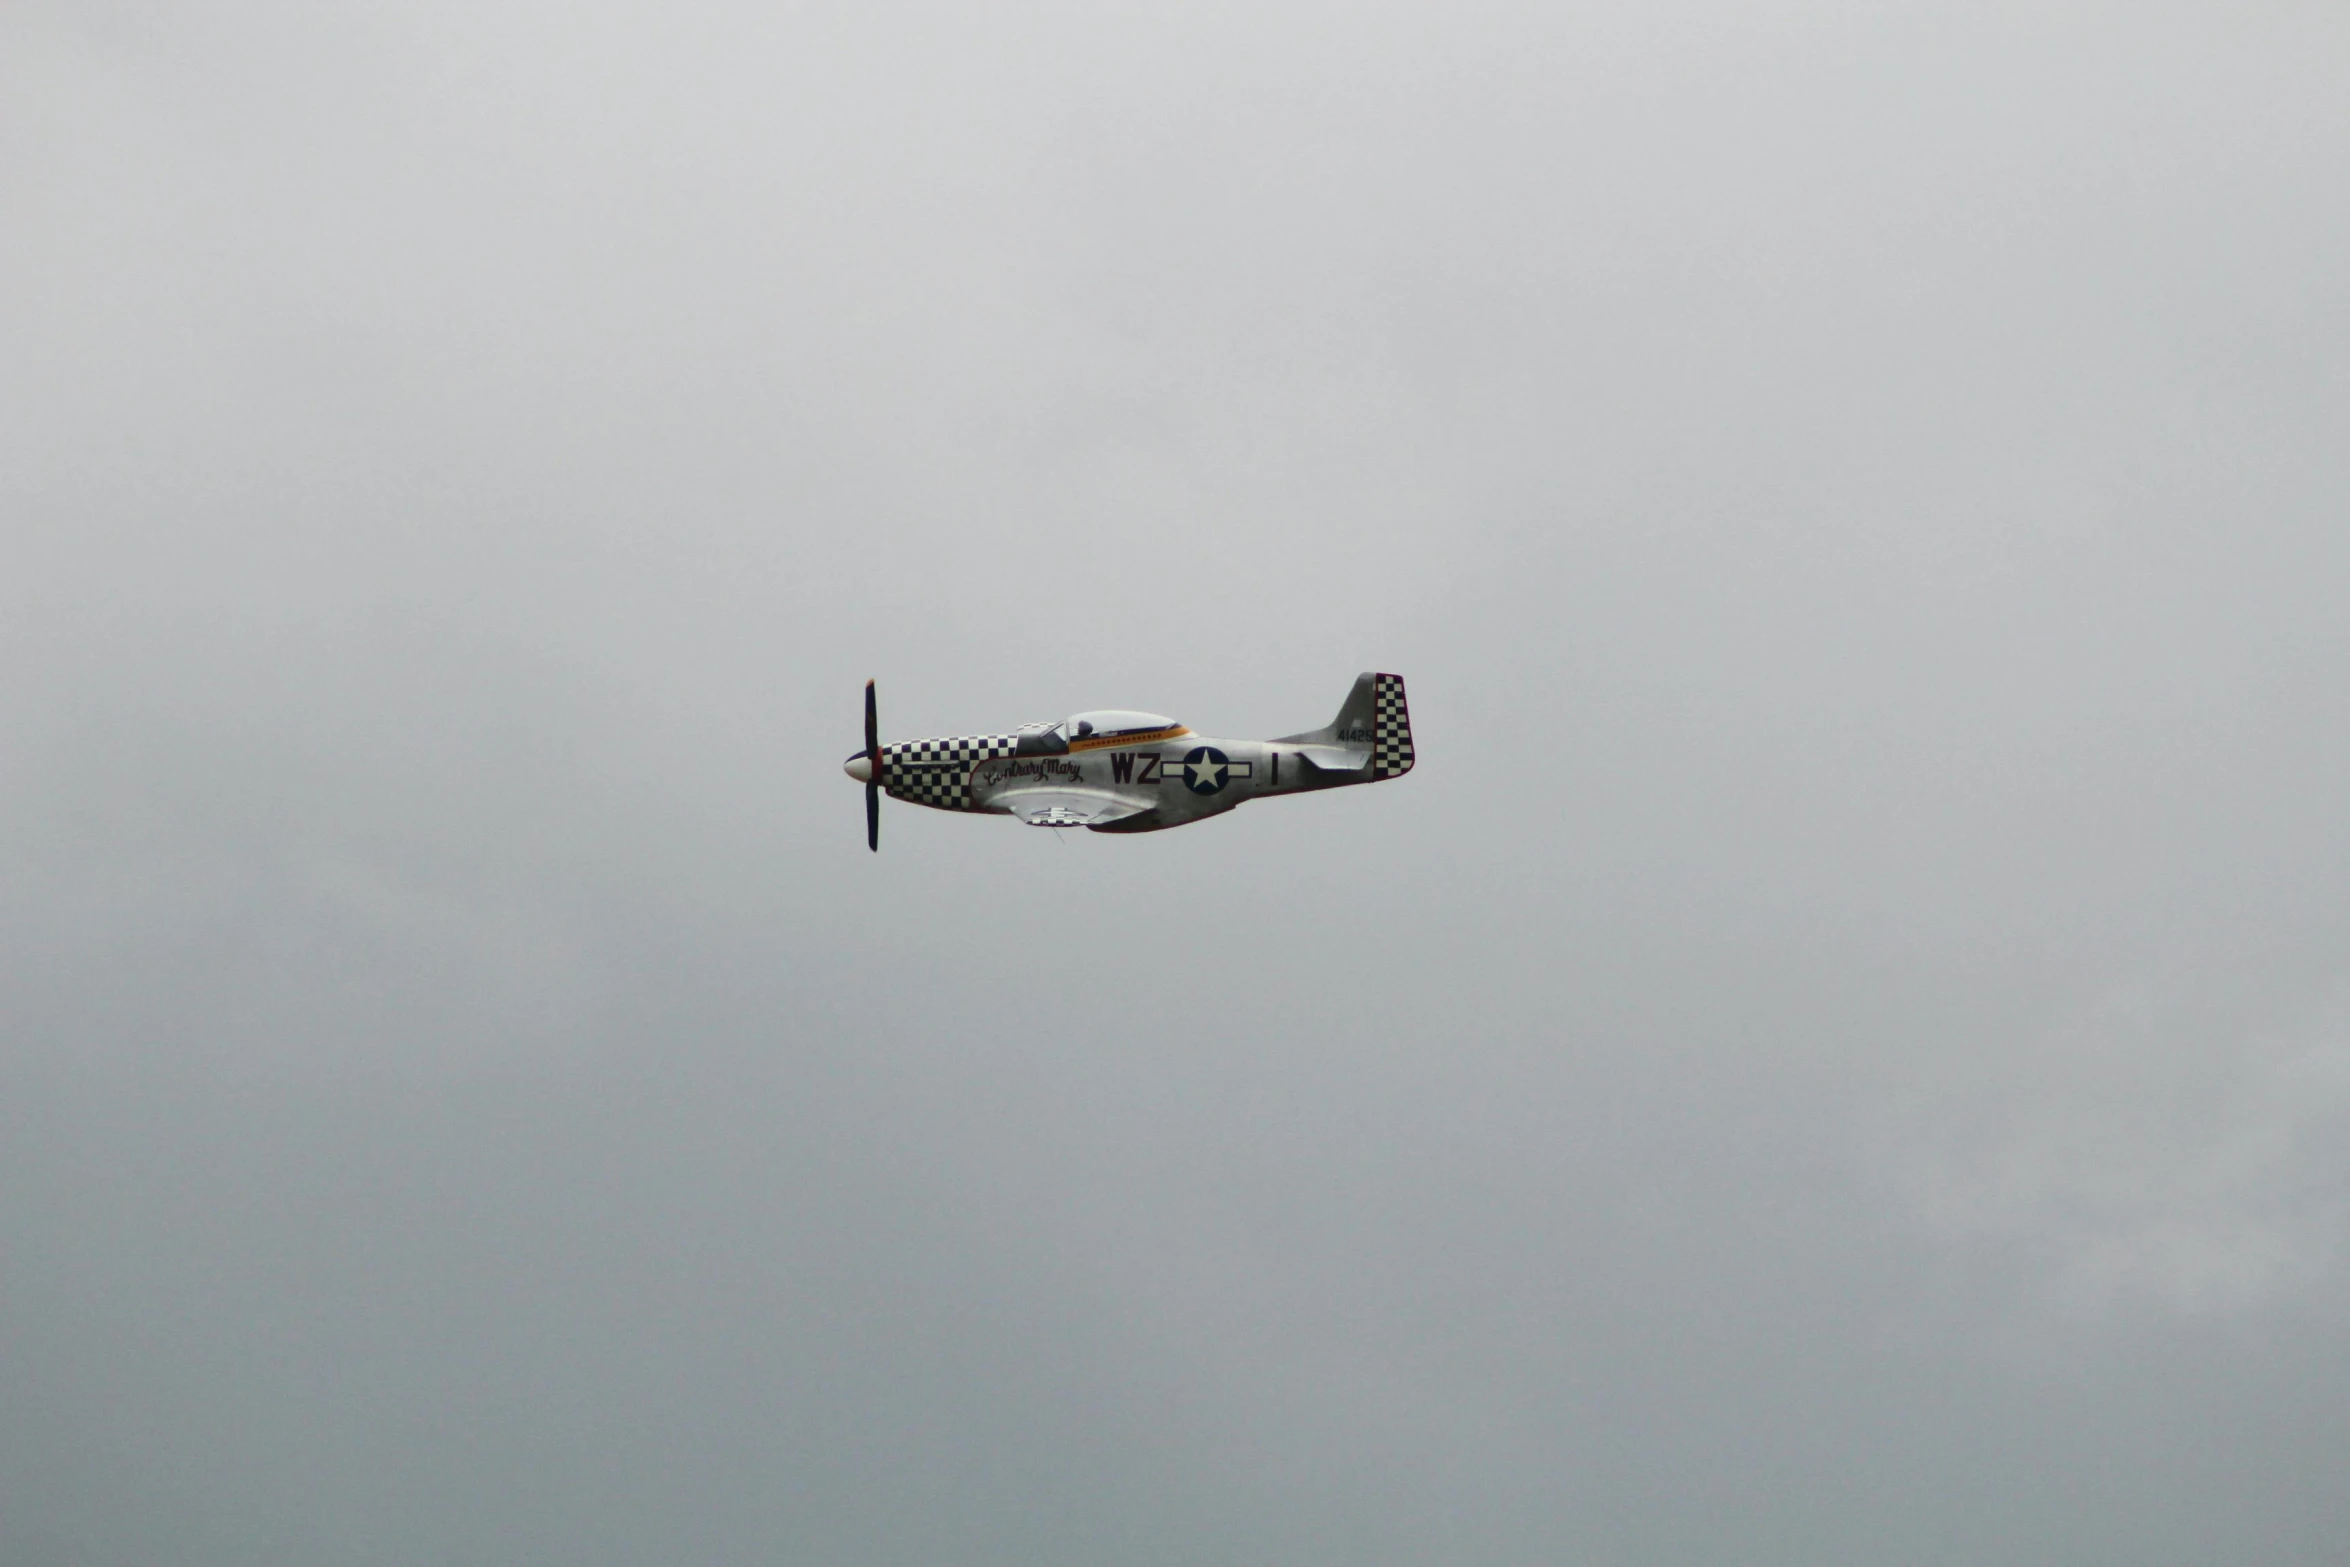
{"points": [[873, 776]]}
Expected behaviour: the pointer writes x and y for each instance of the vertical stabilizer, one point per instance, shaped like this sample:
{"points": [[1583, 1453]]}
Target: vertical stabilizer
{"points": [[1374, 725], [1391, 725]]}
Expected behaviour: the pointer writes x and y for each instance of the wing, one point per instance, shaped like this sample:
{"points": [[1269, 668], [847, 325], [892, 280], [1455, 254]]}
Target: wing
{"points": [[1066, 807]]}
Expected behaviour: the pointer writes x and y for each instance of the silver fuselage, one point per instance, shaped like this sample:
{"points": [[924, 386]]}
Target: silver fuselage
{"points": [[1120, 771]]}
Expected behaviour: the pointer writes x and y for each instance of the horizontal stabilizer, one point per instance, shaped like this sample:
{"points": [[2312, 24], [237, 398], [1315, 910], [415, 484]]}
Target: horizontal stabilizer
{"points": [[1332, 761]]}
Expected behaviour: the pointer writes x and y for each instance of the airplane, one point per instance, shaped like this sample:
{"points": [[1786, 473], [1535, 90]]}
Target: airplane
{"points": [[1120, 771]]}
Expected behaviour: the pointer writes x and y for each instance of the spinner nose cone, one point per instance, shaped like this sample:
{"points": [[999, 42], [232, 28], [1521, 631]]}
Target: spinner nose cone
{"points": [[859, 766]]}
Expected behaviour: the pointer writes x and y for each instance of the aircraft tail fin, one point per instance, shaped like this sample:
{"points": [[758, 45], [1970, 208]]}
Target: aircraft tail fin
{"points": [[1391, 727], [1375, 718]]}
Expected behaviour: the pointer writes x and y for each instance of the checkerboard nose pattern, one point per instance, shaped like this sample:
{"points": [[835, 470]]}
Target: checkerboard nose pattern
{"points": [[938, 772]]}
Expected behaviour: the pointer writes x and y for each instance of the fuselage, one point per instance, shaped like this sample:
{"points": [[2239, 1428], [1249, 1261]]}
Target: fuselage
{"points": [[1175, 776], [1171, 774], [1121, 771]]}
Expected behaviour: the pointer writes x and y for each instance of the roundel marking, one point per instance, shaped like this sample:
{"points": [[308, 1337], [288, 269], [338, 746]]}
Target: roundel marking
{"points": [[1205, 769]]}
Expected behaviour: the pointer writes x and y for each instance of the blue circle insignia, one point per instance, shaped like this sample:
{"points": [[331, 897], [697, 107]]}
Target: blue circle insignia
{"points": [[1206, 769]]}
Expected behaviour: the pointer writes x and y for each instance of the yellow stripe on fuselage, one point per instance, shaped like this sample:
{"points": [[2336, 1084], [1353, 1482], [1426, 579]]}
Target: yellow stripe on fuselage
{"points": [[1139, 737]]}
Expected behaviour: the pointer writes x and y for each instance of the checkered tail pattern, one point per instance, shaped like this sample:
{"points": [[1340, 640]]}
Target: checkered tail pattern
{"points": [[1391, 745]]}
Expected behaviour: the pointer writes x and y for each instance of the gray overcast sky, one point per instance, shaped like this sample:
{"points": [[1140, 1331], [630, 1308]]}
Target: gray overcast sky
{"points": [[1839, 1055]]}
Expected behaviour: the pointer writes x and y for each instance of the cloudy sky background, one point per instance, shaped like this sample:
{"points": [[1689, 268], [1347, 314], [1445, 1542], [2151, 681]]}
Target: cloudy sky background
{"points": [[1839, 1054]]}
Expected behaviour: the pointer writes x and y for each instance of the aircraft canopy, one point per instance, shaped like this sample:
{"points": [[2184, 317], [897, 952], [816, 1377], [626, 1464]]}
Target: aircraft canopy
{"points": [[1109, 722]]}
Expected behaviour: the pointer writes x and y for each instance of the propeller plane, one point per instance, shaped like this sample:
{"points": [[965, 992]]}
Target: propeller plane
{"points": [[1121, 771]]}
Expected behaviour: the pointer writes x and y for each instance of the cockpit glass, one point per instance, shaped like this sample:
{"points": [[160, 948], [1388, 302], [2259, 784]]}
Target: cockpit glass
{"points": [[1108, 723]]}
